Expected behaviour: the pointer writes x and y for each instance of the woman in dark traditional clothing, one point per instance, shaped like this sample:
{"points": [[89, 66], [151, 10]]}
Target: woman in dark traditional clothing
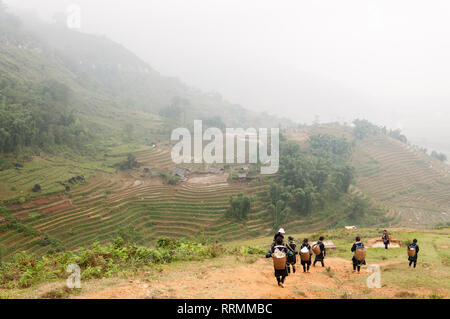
{"points": [[320, 257], [357, 263], [385, 239], [291, 259], [307, 263], [413, 259], [279, 274]]}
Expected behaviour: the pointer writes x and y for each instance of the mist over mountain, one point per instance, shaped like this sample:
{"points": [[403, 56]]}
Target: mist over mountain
{"points": [[60, 86], [383, 61]]}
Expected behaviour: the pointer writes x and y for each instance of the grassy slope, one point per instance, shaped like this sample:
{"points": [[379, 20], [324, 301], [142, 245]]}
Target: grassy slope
{"points": [[429, 280]]}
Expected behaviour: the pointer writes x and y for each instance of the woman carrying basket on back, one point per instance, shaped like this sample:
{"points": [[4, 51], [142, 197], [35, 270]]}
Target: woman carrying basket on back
{"points": [[413, 250], [386, 239], [279, 252], [305, 255], [358, 254], [291, 259], [320, 255]]}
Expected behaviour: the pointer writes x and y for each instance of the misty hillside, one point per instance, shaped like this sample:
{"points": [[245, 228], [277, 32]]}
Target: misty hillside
{"points": [[66, 87]]}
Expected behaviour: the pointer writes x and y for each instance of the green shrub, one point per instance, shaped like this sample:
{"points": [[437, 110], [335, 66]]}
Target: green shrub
{"points": [[98, 261], [252, 250]]}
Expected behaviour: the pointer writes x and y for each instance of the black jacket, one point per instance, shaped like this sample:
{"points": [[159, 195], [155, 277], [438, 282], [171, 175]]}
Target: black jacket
{"points": [[356, 245], [292, 247]]}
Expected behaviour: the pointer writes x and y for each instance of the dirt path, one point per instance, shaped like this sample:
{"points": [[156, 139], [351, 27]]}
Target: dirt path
{"points": [[248, 277]]}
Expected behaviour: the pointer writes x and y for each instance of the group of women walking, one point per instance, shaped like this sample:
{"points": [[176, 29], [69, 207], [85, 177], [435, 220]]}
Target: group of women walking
{"points": [[285, 252], [290, 250]]}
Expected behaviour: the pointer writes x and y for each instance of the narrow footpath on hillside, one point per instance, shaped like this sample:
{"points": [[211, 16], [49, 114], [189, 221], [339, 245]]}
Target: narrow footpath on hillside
{"points": [[247, 277]]}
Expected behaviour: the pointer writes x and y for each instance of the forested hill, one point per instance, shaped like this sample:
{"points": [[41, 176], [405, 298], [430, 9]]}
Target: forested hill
{"points": [[63, 87]]}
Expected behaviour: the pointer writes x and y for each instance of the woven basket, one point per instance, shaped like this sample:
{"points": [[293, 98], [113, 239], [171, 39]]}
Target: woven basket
{"points": [[360, 253], [411, 251], [305, 256], [279, 262], [316, 249]]}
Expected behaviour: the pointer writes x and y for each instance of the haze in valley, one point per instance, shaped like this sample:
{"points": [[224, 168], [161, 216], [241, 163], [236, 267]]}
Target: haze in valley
{"points": [[386, 61]]}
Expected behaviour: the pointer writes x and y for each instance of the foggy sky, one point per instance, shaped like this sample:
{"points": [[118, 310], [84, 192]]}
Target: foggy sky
{"points": [[387, 61]]}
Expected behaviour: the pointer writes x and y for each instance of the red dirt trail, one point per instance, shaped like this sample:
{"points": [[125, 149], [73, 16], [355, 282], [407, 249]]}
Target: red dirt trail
{"points": [[239, 279]]}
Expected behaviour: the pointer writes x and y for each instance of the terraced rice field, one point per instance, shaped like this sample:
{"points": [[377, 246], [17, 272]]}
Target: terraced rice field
{"points": [[411, 185], [406, 182], [48, 172], [415, 186], [98, 210]]}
